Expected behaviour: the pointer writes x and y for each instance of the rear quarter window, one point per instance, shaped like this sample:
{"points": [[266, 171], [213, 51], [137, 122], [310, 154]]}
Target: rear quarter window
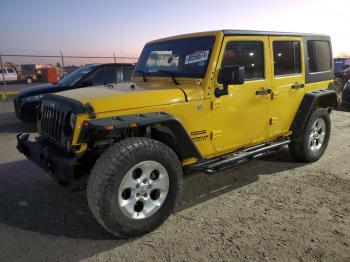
{"points": [[319, 56]]}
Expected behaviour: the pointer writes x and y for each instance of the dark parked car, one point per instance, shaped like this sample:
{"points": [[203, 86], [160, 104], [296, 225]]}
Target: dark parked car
{"points": [[346, 94], [341, 71], [27, 102]]}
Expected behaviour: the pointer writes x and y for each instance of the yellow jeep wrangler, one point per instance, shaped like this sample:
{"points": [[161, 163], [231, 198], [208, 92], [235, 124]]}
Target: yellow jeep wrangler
{"points": [[197, 103]]}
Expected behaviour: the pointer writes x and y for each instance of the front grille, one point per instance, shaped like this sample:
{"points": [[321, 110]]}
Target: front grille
{"points": [[52, 122]]}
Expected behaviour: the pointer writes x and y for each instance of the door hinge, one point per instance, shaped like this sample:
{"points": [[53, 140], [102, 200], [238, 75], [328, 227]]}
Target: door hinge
{"points": [[273, 120], [274, 95], [216, 134], [216, 104]]}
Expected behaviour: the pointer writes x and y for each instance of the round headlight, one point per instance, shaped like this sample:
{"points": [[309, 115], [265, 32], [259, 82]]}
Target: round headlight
{"points": [[72, 119], [33, 98]]}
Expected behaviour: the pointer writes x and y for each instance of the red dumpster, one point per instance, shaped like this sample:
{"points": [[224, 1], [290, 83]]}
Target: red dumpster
{"points": [[49, 74]]}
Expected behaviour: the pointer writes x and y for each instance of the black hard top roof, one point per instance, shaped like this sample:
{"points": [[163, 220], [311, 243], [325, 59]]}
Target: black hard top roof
{"points": [[273, 33]]}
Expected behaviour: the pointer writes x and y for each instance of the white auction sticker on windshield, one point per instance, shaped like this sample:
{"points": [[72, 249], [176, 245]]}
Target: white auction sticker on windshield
{"points": [[197, 57]]}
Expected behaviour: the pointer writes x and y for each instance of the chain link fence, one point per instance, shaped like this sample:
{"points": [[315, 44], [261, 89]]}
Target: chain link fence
{"points": [[18, 71]]}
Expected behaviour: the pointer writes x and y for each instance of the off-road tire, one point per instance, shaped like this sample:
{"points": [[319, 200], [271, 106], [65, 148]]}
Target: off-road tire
{"points": [[106, 177], [299, 147]]}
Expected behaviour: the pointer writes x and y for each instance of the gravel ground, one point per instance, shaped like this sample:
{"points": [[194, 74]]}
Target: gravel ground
{"points": [[271, 209]]}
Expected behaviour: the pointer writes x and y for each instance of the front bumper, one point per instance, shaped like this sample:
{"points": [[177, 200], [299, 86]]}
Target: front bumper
{"points": [[59, 165]]}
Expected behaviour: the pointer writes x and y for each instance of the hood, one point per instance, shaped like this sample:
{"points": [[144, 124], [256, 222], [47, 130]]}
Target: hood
{"points": [[129, 96], [41, 89]]}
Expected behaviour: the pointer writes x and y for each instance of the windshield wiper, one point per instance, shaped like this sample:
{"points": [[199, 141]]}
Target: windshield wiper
{"points": [[143, 74], [172, 75]]}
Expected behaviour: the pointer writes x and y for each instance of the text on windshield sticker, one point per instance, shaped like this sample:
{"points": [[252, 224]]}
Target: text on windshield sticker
{"points": [[197, 57]]}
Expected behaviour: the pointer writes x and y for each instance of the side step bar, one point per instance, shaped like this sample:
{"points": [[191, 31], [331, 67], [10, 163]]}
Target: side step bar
{"points": [[227, 161]]}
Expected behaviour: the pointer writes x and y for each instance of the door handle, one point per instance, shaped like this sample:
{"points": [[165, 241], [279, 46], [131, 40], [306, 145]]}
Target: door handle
{"points": [[263, 92], [297, 85]]}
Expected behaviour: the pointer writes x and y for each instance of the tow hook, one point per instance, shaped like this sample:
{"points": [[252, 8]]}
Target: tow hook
{"points": [[21, 138]]}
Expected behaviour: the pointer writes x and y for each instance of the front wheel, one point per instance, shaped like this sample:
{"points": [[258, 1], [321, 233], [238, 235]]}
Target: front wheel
{"points": [[134, 186], [313, 141]]}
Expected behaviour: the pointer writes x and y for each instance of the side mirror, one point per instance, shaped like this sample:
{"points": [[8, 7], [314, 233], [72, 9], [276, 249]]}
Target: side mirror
{"points": [[229, 75]]}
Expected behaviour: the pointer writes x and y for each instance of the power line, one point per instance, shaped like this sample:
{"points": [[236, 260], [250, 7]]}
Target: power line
{"points": [[69, 56]]}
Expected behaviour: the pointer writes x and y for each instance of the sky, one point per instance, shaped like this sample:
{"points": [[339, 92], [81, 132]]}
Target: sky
{"points": [[99, 28]]}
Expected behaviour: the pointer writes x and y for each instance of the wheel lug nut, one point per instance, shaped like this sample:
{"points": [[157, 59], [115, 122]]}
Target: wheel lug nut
{"points": [[145, 181], [137, 186], [149, 186], [145, 195], [138, 194]]}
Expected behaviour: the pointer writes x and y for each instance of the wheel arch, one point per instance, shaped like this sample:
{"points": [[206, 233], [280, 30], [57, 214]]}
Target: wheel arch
{"points": [[322, 98], [159, 126]]}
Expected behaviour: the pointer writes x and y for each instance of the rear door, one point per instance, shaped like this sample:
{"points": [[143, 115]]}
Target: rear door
{"points": [[288, 81]]}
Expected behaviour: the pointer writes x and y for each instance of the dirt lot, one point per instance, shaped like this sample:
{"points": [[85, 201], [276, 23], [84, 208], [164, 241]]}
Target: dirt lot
{"points": [[271, 209]]}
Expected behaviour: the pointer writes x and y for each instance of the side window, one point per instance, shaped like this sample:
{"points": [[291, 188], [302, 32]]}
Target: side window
{"points": [[96, 77], [119, 75], [287, 57], [110, 75], [319, 54], [1, 71], [10, 70], [249, 54], [127, 73]]}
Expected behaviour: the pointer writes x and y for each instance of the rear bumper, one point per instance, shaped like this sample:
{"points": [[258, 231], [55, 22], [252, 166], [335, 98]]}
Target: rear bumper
{"points": [[59, 165]]}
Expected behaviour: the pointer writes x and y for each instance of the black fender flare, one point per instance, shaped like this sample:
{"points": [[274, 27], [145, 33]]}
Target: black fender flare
{"points": [[110, 127], [322, 98]]}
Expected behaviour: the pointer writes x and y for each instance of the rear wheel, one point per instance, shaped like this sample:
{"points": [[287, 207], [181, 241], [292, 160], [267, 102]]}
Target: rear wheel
{"points": [[313, 141], [134, 186]]}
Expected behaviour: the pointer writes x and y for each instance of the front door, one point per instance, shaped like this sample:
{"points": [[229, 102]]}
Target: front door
{"points": [[287, 81], [241, 118]]}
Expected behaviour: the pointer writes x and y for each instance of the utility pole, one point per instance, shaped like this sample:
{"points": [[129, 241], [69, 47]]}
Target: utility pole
{"points": [[62, 60], [3, 80], [115, 60]]}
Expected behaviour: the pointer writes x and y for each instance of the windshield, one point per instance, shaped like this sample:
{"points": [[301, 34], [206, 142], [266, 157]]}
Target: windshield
{"points": [[28, 69], [187, 57], [75, 76]]}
